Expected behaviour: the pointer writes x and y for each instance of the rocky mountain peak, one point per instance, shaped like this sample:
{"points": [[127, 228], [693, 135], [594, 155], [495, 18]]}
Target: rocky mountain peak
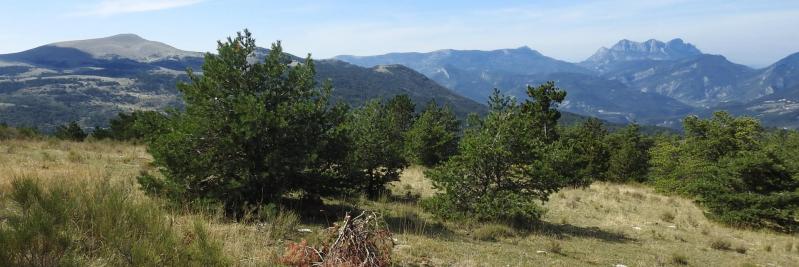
{"points": [[652, 49]]}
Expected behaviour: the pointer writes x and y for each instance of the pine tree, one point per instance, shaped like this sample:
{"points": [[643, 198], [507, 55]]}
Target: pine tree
{"points": [[587, 143], [741, 174], [505, 165], [433, 138], [71, 131], [542, 105], [251, 129], [400, 110], [375, 155], [629, 155]]}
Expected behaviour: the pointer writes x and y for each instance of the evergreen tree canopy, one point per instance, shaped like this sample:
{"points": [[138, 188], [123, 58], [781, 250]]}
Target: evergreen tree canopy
{"points": [[590, 149], [542, 106], [629, 155], [71, 131], [136, 125], [433, 138], [401, 111], [505, 165], [375, 155], [251, 130], [734, 169]]}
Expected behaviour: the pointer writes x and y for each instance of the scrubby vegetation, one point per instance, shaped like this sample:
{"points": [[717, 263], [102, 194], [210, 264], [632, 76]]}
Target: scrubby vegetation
{"points": [[374, 142], [506, 162], [743, 175], [134, 126], [260, 163], [250, 132], [8, 132], [71, 131], [433, 137]]}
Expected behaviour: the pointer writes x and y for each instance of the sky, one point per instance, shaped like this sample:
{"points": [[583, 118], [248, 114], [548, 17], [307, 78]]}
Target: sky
{"points": [[754, 33]]}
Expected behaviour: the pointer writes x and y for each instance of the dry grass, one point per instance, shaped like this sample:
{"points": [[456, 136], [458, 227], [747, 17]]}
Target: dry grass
{"points": [[413, 182], [53, 161], [603, 225]]}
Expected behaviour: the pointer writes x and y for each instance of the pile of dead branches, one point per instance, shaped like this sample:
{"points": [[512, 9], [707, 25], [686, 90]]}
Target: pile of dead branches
{"points": [[360, 241]]}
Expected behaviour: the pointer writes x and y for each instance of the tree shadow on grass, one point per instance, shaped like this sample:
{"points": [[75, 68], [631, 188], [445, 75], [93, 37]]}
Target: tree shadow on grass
{"points": [[407, 198], [316, 212], [324, 214], [412, 223], [564, 231]]}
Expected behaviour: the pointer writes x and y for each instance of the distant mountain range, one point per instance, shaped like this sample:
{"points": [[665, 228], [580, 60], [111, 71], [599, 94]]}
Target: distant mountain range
{"points": [[649, 82], [92, 80]]}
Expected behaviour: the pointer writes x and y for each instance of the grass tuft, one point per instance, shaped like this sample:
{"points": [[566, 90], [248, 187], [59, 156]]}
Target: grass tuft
{"points": [[667, 216], [679, 259], [555, 247], [720, 244], [493, 232]]}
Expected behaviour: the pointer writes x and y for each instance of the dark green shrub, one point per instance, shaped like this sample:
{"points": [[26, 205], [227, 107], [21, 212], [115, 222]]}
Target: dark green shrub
{"points": [[433, 137], [78, 225], [629, 155], [251, 131], [721, 135], [507, 162], [100, 133], [71, 131], [400, 111], [132, 126], [375, 154], [731, 167], [8, 132], [589, 149]]}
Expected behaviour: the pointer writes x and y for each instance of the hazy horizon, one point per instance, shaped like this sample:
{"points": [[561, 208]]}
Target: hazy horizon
{"points": [[753, 33]]}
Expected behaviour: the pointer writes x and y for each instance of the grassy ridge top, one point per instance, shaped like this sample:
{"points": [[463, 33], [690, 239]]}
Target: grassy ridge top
{"points": [[603, 225]]}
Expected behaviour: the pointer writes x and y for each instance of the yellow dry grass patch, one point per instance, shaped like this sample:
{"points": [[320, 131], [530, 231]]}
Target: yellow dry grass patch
{"points": [[413, 181], [55, 161]]}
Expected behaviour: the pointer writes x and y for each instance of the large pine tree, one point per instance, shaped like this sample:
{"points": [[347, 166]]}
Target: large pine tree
{"points": [[251, 130]]}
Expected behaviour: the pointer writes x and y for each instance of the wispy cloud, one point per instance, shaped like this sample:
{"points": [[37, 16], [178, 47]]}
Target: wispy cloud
{"points": [[114, 7]]}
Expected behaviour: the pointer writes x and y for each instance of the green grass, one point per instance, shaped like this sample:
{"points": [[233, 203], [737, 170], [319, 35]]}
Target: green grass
{"points": [[603, 225], [88, 224]]}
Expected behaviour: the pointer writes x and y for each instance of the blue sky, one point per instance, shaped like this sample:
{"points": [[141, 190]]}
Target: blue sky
{"points": [[755, 33]]}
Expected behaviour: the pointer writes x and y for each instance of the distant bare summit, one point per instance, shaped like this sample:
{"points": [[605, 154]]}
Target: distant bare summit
{"points": [[129, 46]]}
